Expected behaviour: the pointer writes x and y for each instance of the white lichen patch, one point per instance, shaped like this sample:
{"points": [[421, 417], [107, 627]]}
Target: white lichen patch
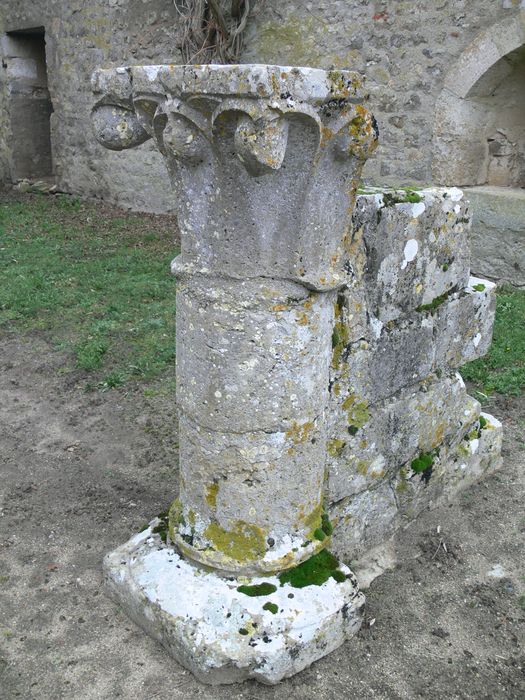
{"points": [[410, 252], [475, 284], [224, 635], [377, 326], [455, 194]]}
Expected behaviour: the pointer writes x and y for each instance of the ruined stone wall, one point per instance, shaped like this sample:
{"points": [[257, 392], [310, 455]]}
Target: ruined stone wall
{"points": [[80, 37], [407, 51]]}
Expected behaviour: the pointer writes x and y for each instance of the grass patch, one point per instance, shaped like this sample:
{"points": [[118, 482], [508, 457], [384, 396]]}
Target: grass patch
{"points": [[503, 368], [94, 280]]}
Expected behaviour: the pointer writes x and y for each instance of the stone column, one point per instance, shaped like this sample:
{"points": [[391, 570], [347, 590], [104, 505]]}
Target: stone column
{"points": [[265, 162]]}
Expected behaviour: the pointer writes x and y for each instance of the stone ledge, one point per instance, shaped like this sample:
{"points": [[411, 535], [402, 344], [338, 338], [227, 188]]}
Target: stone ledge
{"points": [[219, 633]]}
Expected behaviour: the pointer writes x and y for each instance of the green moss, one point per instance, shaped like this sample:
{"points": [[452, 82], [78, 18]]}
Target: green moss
{"points": [[312, 572], [243, 631], [445, 267], [162, 528], [244, 543], [326, 525], [422, 463], [258, 589], [479, 287], [319, 534], [271, 607], [338, 575], [482, 422], [408, 195], [435, 302]]}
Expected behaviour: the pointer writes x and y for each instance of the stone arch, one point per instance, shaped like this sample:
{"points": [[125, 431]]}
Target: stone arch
{"points": [[470, 125]]}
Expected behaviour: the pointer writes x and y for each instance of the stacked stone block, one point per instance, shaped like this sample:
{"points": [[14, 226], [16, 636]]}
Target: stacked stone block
{"points": [[403, 433]]}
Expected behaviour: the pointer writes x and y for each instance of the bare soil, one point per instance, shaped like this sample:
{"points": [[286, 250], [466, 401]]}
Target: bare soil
{"points": [[80, 472]]}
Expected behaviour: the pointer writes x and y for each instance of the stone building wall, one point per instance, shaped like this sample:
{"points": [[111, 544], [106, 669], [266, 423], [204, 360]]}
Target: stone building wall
{"points": [[81, 36], [420, 59]]}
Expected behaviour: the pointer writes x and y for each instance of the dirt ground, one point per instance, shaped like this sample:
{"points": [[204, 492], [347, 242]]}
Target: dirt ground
{"points": [[80, 472]]}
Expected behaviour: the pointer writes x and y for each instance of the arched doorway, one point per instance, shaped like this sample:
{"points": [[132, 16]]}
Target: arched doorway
{"points": [[479, 143]]}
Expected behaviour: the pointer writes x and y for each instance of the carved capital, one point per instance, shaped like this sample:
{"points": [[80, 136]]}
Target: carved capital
{"points": [[264, 158]]}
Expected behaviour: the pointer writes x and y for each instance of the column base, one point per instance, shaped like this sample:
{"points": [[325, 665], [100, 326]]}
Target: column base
{"points": [[223, 635]]}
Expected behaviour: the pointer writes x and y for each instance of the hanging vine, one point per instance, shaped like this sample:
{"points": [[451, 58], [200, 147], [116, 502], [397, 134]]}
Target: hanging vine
{"points": [[213, 30]]}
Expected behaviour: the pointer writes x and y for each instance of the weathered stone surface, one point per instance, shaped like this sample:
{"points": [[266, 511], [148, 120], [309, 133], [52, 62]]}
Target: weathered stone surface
{"points": [[367, 519], [252, 354], [417, 246], [312, 348], [255, 307], [78, 38], [118, 128], [364, 520], [289, 128], [248, 496], [221, 634], [446, 333], [498, 233], [476, 453], [367, 444], [463, 324]]}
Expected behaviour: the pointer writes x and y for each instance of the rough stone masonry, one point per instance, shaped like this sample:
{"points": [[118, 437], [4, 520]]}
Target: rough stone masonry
{"points": [[317, 343]]}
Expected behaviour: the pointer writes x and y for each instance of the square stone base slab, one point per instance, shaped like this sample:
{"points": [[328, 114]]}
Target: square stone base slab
{"points": [[220, 634]]}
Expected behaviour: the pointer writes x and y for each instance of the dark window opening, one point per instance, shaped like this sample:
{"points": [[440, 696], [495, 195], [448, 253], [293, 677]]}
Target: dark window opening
{"points": [[29, 104]]}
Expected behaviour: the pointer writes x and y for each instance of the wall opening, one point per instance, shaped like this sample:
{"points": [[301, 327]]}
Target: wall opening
{"points": [[498, 102], [29, 103]]}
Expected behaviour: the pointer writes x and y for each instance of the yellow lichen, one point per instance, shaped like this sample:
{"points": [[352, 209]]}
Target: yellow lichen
{"points": [[340, 333], [211, 494], [302, 320], [299, 432], [335, 447], [313, 519], [244, 543], [356, 411], [279, 307], [362, 467]]}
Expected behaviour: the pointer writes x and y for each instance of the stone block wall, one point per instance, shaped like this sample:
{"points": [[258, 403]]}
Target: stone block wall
{"points": [[403, 433], [411, 53], [79, 37]]}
